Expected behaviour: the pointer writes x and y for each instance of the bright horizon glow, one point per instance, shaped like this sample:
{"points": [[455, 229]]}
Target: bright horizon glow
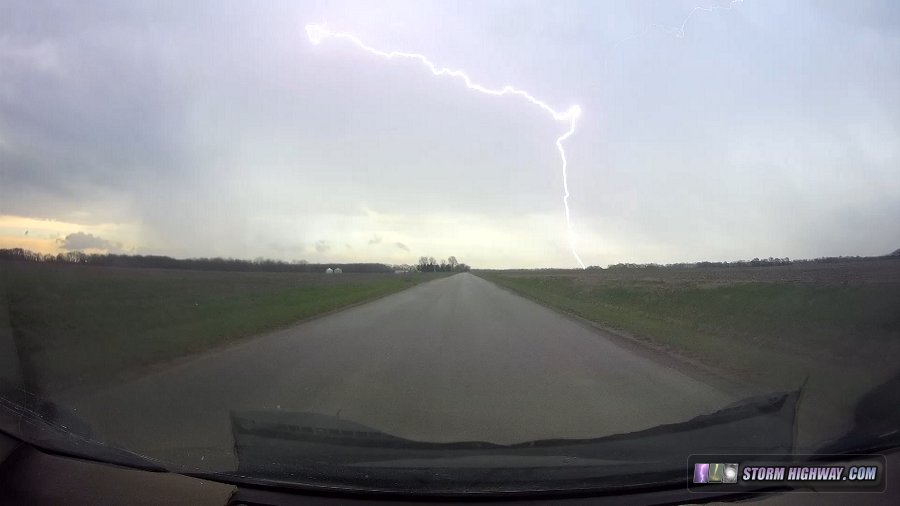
{"points": [[317, 33]]}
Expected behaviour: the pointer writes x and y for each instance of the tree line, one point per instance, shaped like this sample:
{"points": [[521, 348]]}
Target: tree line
{"points": [[202, 264], [451, 264]]}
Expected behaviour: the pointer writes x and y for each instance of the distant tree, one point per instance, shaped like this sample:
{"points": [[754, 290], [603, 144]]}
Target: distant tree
{"points": [[429, 264]]}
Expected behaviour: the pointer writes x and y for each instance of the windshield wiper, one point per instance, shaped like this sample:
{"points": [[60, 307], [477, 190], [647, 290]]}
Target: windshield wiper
{"points": [[56, 429], [876, 422]]}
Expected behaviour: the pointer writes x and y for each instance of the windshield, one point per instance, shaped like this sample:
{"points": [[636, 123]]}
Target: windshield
{"points": [[354, 243]]}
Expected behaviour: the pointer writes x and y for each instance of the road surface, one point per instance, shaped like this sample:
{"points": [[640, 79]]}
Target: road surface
{"points": [[453, 359]]}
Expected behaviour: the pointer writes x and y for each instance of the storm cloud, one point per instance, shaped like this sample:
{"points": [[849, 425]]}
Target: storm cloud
{"points": [[217, 129]]}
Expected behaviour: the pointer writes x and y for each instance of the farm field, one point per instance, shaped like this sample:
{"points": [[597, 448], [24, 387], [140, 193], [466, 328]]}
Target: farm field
{"points": [[75, 324], [834, 325]]}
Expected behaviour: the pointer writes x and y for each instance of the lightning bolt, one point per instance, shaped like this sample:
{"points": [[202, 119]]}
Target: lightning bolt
{"points": [[678, 32], [318, 33]]}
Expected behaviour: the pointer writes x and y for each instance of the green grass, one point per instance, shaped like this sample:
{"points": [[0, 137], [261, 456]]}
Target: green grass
{"points": [[79, 324], [766, 331]]}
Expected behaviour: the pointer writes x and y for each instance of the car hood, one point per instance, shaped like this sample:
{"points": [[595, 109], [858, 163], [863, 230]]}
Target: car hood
{"points": [[291, 446]]}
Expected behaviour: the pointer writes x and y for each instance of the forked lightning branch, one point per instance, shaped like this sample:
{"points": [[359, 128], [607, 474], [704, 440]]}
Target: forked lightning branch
{"points": [[318, 33]]}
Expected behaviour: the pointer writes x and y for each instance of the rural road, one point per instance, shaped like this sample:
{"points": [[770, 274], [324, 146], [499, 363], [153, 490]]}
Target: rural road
{"points": [[452, 359]]}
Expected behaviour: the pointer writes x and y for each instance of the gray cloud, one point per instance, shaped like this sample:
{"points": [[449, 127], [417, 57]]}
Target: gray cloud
{"points": [[401, 246], [82, 241], [214, 138]]}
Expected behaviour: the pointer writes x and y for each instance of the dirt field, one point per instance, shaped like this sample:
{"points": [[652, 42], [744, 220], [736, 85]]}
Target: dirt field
{"points": [[860, 272]]}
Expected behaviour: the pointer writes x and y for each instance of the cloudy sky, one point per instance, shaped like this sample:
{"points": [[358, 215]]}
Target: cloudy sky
{"points": [[770, 128]]}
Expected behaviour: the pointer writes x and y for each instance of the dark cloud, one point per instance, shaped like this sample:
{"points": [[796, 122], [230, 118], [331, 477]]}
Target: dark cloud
{"points": [[212, 136], [82, 241]]}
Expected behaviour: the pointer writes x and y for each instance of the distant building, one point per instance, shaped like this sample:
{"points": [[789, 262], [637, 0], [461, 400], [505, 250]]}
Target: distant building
{"points": [[329, 270], [337, 270]]}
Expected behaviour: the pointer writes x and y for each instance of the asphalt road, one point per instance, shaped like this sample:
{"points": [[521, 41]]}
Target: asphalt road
{"points": [[453, 359]]}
